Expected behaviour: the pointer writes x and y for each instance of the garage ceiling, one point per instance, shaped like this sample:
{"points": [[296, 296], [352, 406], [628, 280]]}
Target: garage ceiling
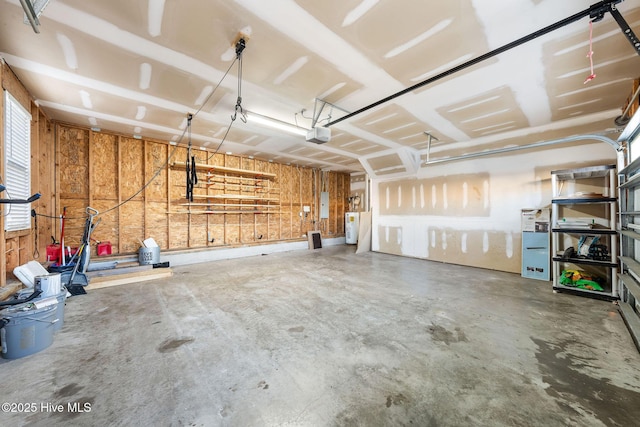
{"points": [[138, 67]]}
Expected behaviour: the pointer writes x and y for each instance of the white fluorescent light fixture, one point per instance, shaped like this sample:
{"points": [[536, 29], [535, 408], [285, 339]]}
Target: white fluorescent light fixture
{"points": [[259, 119]]}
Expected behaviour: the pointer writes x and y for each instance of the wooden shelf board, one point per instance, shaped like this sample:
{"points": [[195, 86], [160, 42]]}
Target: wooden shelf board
{"points": [[227, 184], [234, 197], [245, 205], [224, 169], [199, 212]]}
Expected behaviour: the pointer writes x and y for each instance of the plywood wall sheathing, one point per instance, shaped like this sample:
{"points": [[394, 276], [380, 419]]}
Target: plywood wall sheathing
{"points": [[232, 229], [131, 226], [131, 168], [156, 223], [104, 167], [120, 166], [156, 171], [198, 231], [179, 231], [247, 228], [107, 230], [74, 222], [73, 163], [216, 230], [274, 220], [261, 231], [178, 177]]}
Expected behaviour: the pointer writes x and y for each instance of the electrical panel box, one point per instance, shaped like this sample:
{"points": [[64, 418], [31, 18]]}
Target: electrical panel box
{"points": [[324, 205]]}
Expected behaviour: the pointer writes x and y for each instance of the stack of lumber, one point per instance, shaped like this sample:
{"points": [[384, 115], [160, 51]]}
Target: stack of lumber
{"points": [[125, 274]]}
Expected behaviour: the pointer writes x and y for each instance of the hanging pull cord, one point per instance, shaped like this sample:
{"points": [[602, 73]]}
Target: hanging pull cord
{"points": [[590, 54], [36, 252], [190, 182], [240, 45]]}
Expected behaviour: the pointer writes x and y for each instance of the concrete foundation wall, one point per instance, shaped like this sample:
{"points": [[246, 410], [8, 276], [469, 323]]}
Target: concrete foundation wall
{"points": [[469, 212]]}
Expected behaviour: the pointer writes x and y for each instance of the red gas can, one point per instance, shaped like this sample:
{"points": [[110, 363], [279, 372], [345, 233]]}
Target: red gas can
{"points": [[53, 253], [103, 248]]}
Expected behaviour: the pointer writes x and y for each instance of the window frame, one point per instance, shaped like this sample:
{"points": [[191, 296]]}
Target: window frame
{"points": [[17, 164]]}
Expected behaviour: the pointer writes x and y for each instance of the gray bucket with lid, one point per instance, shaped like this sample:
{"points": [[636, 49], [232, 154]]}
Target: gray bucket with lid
{"points": [[26, 331], [149, 255]]}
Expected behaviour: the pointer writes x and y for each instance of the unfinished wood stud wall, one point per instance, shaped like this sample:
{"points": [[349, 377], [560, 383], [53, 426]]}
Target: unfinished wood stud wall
{"points": [[107, 172]]}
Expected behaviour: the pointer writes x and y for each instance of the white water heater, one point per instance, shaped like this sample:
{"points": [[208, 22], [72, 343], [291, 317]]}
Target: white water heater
{"points": [[351, 226]]}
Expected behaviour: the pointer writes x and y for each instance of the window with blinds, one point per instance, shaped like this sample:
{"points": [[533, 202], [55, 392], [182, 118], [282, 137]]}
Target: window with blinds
{"points": [[17, 164]]}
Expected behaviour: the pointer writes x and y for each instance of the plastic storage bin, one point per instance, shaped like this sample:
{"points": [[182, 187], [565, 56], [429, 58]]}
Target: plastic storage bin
{"points": [[26, 331]]}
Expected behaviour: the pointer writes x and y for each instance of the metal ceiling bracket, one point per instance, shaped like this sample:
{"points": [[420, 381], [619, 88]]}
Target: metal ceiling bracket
{"points": [[599, 10], [431, 137], [318, 107], [626, 30], [240, 45], [31, 15]]}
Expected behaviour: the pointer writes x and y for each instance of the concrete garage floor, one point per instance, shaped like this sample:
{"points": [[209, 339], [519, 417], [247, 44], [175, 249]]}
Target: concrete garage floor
{"points": [[327, 337]]}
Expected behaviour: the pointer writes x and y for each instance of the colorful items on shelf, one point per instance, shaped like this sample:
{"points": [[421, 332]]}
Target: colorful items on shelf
{"points": [[580, 279]]}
